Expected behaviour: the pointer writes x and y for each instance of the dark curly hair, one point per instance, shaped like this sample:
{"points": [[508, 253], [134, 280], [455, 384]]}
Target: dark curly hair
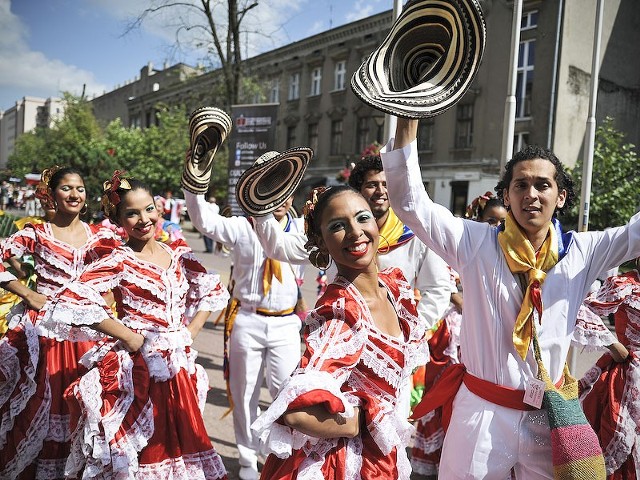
{"points": [[365, 164], [532, 152]]}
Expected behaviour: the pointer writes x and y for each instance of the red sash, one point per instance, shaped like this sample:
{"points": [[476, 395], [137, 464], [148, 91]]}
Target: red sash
{"points": [[445, 389]]}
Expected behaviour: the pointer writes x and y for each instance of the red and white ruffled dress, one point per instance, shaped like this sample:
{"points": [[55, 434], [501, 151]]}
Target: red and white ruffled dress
{"points": [[444, 344], [610, 390], [348, 362], [141, 413], [38, 362]]}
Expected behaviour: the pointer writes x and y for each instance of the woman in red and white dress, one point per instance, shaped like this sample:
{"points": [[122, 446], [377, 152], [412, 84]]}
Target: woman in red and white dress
{"points": [[142, 400], [337, 417], [38, 361], [611, 388]]}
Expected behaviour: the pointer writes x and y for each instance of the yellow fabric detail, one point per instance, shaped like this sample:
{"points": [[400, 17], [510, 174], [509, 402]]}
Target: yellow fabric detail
{"points": [[272, 268], [390, 232], [270, 313], [21, 222], [521, 258], [230, 316]]}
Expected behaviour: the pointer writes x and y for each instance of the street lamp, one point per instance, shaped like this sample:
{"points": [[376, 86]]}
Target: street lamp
{"points": [[380, 125]]}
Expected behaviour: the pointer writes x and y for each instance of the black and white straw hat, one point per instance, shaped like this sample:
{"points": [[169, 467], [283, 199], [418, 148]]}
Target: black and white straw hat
{"points": [[271, 180], [427, 61], [208, 128]]}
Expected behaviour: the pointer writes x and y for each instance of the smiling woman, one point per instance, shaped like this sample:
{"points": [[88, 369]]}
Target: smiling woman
{"points": [[162, 296], [363, 341]]}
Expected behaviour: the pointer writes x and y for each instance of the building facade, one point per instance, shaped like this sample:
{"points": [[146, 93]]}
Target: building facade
{"points": [[24, 116], [460, 150]]}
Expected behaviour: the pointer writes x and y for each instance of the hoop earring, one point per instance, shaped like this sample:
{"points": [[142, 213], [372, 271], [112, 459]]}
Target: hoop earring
{"points": [[84, 209], [320, 260], [380, 252]]}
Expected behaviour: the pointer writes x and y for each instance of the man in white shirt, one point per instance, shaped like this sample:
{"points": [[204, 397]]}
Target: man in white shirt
{"points": [[265, 338], [486, 438]]}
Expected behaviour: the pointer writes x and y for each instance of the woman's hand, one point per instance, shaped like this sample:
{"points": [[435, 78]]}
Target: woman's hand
{"points": [[35, 300], [133, 342], [316, 421], [618, 352]]}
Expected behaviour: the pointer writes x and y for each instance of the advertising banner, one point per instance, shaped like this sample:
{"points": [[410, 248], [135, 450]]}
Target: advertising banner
{"points": [[253, 133]]}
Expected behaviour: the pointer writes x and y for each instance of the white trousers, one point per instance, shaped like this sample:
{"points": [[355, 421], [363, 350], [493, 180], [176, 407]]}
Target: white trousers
{"points": [[259, 347], [485, 440]]}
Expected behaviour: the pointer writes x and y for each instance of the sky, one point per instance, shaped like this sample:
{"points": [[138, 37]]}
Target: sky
{"points": [[51, 46]]}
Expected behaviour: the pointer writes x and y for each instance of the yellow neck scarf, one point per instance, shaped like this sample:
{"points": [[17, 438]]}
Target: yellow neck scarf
{"points": [[522, 258], [393, 233]]}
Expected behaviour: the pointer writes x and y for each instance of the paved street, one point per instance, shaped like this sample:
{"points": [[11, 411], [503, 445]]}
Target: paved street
{"points": [[209, 345]]}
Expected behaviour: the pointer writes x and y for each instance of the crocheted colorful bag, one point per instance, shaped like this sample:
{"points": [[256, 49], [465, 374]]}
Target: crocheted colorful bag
{"points": [[576, 452]]}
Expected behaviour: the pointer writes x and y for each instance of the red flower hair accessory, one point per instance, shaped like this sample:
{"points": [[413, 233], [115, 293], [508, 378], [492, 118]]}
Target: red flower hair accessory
{"points": [[307, 212], [110, 197], [477, 205], [43, 192]]}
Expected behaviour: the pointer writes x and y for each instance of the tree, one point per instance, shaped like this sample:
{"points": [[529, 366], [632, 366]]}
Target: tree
{"points": [[615, 186], [217, 25], [75, 140], [154, 155]]}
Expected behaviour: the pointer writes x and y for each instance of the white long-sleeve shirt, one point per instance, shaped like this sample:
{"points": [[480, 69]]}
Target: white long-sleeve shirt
{"points": [[247, 255], [492, 295]]}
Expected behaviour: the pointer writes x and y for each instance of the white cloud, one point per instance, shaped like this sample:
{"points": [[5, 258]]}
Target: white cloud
{"points": [[361, 9], [31, 72]]}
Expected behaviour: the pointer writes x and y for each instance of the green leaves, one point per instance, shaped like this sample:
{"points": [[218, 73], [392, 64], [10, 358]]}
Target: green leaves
{"points": [[154, 155], [615, 186]]}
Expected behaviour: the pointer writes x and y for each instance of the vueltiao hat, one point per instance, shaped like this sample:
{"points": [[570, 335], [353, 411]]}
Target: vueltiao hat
{"points": [[427, 61], [271, 180], [208, 128]]}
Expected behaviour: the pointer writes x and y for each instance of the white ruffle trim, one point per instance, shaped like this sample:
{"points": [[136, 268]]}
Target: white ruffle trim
{"points": [[13, 373], [391, 430], [7, 276], [423, 467], [198, 466], [590, 331], [282, 440], [202, 384], [165, 352], [626, 438], [30, 447], [429, 444], [96, 443]]}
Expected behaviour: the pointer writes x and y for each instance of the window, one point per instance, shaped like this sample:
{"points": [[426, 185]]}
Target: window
{"points": [[524, 81], [520, 140], [294, 86], [340, 75], [464, 126], [459, 193], [362, 134], [529, 20], [425, 135], [274, 95], [312, 139], [316, 81], [291, 136], [336, 137]]}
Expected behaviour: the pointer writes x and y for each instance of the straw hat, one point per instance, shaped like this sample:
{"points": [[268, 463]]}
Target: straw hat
{"points": [[427, 61], [208, 128], [271, 180]]}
